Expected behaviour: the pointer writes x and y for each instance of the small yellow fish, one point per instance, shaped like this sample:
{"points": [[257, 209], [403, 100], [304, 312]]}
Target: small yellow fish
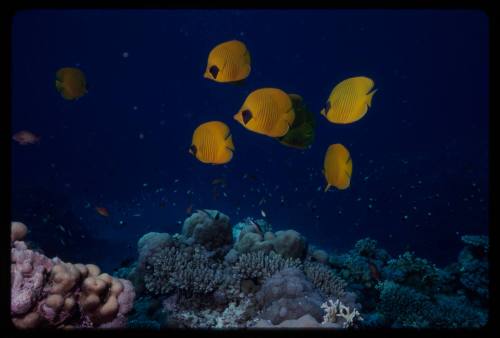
{"points": [[337, 167], [267, 111], [212, 143], [71, 83], [228, 62], [349, 100]]}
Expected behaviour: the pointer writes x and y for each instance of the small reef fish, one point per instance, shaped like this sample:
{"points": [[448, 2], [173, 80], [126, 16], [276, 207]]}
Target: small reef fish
{"points": [[71, 83], [102, 211], [337, 167], [212, 143], [25, 137], [218, 181], [267, 111], [349, 100], [374, 272], [228, 62], [255, 225], [216, 217]]}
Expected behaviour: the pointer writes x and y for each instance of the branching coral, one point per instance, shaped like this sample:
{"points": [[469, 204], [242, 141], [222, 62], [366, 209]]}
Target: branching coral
{"points": [[335, 311], [260, 265], [324, 279], [416, 272], [188, 269], [403, 306]]}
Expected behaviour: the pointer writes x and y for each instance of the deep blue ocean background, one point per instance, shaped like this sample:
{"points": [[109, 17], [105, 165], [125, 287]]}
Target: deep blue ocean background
{"points": [[420, 155]]}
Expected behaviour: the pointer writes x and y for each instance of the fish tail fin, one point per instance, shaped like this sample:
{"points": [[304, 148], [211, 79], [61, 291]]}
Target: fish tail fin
{"points": [[370, 96], [327, 187]]}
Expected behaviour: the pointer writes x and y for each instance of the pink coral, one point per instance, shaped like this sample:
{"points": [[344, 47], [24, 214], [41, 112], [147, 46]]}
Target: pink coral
{"points": [[51, 293]]}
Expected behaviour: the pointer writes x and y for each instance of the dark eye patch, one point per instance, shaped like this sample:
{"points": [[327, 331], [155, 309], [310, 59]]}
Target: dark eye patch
{"points": [[193, 149], [214, 70], [247, 116]]}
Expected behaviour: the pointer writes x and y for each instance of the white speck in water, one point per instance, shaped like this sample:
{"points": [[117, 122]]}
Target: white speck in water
{"points": [[125, 55], [135, 107], [141, 136]]}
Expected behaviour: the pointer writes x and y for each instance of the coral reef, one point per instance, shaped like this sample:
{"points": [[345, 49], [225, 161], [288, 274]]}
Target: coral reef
{"points": [[337, 312], [209, 228], [212, 275], [251, 238], [51, 293], [259, 265], [416, 272], [324, 279], [189, 269], [288, 295], [403, 306], [473, 268]]}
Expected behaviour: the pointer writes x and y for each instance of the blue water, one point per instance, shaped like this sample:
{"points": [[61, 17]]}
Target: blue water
{"points": [[420, 155]]}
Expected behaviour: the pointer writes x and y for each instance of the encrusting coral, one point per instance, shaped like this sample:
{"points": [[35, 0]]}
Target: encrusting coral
{"points": [[51, 293]]}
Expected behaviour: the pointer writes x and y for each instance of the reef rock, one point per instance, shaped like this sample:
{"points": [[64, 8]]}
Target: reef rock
{"points": [[209, 228], [289, 295]]}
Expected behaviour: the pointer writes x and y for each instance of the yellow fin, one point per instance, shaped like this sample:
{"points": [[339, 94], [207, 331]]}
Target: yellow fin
{"points": [[369, 99]]}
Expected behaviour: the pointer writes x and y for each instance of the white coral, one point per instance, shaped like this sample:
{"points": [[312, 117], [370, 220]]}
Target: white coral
{"points": [[337, 309]]}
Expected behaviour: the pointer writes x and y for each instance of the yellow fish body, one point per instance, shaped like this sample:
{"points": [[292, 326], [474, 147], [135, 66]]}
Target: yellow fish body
{"points": [[267, 111], [71, 83], [212, 143], [228, 62], [349, 100], [337, 167]]}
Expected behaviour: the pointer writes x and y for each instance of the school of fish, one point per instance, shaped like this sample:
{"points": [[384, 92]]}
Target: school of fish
{"points": [[266, 111], [274, 113]]}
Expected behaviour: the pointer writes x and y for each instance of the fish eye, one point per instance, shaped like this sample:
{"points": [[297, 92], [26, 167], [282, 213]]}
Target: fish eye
{"points": [[214, 70], [193, 149], [247, 116], [328, 106]]}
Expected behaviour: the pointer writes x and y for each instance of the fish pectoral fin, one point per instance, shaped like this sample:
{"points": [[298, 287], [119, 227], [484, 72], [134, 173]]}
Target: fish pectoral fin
{"points": [[370, 96], [327, 187], [348, 175], [348, 160]]}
